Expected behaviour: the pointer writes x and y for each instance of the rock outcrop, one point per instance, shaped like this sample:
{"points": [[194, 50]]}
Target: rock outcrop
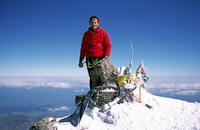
{"points": [[45, 124]]}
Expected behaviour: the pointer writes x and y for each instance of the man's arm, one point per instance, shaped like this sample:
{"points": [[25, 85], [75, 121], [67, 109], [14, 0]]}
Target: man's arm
{"points": [[107, 45], [82, 51]]}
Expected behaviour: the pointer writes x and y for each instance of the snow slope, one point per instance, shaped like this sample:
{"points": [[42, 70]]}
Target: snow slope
{"points": [[166, 114]]}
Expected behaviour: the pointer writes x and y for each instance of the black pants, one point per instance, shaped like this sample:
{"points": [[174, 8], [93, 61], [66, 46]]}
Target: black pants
{"points": [[94, 79]]}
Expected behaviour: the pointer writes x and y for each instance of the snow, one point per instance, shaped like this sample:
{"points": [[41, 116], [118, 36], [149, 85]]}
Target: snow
{"points": [[166, 114]]}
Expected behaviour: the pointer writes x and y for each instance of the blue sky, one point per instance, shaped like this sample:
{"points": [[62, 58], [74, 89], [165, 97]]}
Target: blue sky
{"points": [[43, 37]]}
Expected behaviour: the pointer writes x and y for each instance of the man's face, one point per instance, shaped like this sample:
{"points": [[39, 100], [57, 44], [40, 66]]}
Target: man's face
{"points": [[94, 23]]}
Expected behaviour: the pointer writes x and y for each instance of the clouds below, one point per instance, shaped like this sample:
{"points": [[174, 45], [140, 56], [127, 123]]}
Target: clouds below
{"points": [[55, 82], [180, 85], [172, 85], [62, 108], [175, 85]]}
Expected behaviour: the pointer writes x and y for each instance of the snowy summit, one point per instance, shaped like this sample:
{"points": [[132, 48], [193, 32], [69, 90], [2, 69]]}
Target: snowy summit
{"points": [[133, 109], [166, 114]]}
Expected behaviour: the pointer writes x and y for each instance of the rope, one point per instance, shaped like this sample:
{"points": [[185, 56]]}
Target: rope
{"points": [[91, 65]]}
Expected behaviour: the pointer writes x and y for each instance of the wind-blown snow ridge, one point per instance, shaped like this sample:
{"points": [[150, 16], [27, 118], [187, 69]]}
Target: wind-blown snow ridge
{"points": [[166, 114]]}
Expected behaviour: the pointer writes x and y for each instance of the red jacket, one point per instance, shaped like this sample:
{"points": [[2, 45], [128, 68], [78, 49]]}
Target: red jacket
{"points": [[95, 44]]}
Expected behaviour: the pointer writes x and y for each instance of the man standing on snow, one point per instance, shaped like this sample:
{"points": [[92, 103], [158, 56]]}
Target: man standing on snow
{"points": [[96, 47]]}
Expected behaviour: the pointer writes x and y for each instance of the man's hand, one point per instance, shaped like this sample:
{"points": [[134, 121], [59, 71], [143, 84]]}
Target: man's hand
{"points": [[80, 64], [106, 57]]}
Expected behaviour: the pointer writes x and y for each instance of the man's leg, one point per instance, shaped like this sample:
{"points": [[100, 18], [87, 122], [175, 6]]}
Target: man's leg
{"points": [[94, 72], [92, 82]]}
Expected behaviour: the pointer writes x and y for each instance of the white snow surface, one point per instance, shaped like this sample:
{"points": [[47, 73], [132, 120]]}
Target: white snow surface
{"points": [[166, 114]]}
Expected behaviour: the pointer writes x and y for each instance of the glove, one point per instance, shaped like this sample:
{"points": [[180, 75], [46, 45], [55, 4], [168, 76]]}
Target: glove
{"points": [[106, 57], [80, 64]]}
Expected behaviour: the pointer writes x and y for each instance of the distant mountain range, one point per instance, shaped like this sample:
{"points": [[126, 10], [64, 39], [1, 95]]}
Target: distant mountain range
{"points": [[17, 121]]}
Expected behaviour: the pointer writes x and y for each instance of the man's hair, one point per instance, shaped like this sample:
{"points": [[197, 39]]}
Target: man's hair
{"points": [[94, 17]]}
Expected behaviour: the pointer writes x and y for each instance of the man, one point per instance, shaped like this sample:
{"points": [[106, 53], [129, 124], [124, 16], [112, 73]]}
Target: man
{"points": [[95, 47]]}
